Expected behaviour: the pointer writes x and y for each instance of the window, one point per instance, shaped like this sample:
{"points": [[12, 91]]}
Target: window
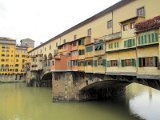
{"points": [[7, 60], [129, 43], [17, 55], [148, 62], [23, 60], [75, 37], [56, 44], [50, 47], [89, 62], [64, 41], [16, 65], [116, 44], [74, 43], [110, 45], [74, 63], [132, 25], [109, 24], [3, 55], [128, 62], [81, 52], [74, 53], [81, 42], [101, 62], [148, 38], [141, 12], [89, 32], [89, 48], [98, 47], [125, 27], [52, 62]]}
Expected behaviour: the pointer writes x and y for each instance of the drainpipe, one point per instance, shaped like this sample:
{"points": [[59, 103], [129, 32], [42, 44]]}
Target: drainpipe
{"points": [[112, 22]]}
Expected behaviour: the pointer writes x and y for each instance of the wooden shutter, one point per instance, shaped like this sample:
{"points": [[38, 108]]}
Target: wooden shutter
{"points": [[155, 61], [122, 63], [156, 37], [108, 63], [104, 62], [133, 62], [140, 62]]}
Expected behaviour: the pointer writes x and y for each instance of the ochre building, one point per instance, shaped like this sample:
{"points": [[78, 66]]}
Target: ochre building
{"points": [[12, 60]]}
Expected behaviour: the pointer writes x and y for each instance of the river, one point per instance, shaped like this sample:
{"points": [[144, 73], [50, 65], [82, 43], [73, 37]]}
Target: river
{"points": [[18, 102]]}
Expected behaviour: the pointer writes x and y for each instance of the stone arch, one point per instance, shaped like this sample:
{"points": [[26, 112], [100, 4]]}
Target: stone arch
{"points": [[45, 57], [49, 56]]}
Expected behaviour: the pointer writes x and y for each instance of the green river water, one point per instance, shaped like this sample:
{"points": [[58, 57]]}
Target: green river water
{"points": [[18, 102]]}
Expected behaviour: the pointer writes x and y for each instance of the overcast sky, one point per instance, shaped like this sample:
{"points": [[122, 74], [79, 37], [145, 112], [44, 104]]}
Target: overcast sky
{"points": [[41, 20]]}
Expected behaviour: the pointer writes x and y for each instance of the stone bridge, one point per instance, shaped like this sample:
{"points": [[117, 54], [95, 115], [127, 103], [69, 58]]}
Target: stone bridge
{"points": [[76, 86]]}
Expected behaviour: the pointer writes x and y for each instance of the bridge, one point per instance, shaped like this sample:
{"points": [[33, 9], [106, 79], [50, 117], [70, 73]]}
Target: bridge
{"points": [[90, 61]]}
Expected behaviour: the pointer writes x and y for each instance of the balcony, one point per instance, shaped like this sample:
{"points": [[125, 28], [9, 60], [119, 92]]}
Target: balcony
{"points": [[113, 36]]}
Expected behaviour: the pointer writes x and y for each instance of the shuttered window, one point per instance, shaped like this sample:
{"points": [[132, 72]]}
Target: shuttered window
{"points": [[129, 43], [128, 62], [148, 62], [99, 47], [148, 38]]}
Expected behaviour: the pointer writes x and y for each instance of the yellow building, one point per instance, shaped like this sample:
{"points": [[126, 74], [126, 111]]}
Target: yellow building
{"points": [[12, 60], [117, 44]]}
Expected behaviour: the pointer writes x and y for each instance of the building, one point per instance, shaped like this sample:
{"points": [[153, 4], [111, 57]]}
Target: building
{"points": [[27, 42], [123, 40], [12, 60]]}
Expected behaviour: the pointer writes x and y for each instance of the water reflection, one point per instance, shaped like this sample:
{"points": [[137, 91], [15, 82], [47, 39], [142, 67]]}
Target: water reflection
{"points": [[18, 102], [144, 101]]}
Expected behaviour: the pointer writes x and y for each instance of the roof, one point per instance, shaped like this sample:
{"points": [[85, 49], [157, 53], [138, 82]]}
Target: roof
{"points": [[27, 39], [98, 15], [7, 38]]}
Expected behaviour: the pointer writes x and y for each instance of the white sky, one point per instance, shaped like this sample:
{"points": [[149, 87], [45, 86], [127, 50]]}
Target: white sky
{"points": [[41, 20]]}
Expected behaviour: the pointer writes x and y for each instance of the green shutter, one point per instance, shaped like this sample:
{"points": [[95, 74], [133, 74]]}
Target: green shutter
{"points": [[140, 62], [92, 62], [95, 63], [145, 39], [108, 64], [85, 63], [139, 40], [133, 41], [124, 43], [133, 62], [122, 63], [155, 61], [156, 37], [149, 38], [142, 40], [153, 38], [104, 62], [117, 44]]}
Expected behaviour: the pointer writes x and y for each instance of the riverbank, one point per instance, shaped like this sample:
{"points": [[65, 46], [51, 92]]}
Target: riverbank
{"points": [[12, 81]]}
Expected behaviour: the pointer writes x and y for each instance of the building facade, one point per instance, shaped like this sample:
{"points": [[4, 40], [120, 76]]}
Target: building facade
{"points": [[123, 40], [12, 60]]}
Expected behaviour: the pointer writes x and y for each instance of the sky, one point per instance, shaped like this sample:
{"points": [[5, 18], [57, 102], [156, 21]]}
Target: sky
{"points": [[41, 20]]}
